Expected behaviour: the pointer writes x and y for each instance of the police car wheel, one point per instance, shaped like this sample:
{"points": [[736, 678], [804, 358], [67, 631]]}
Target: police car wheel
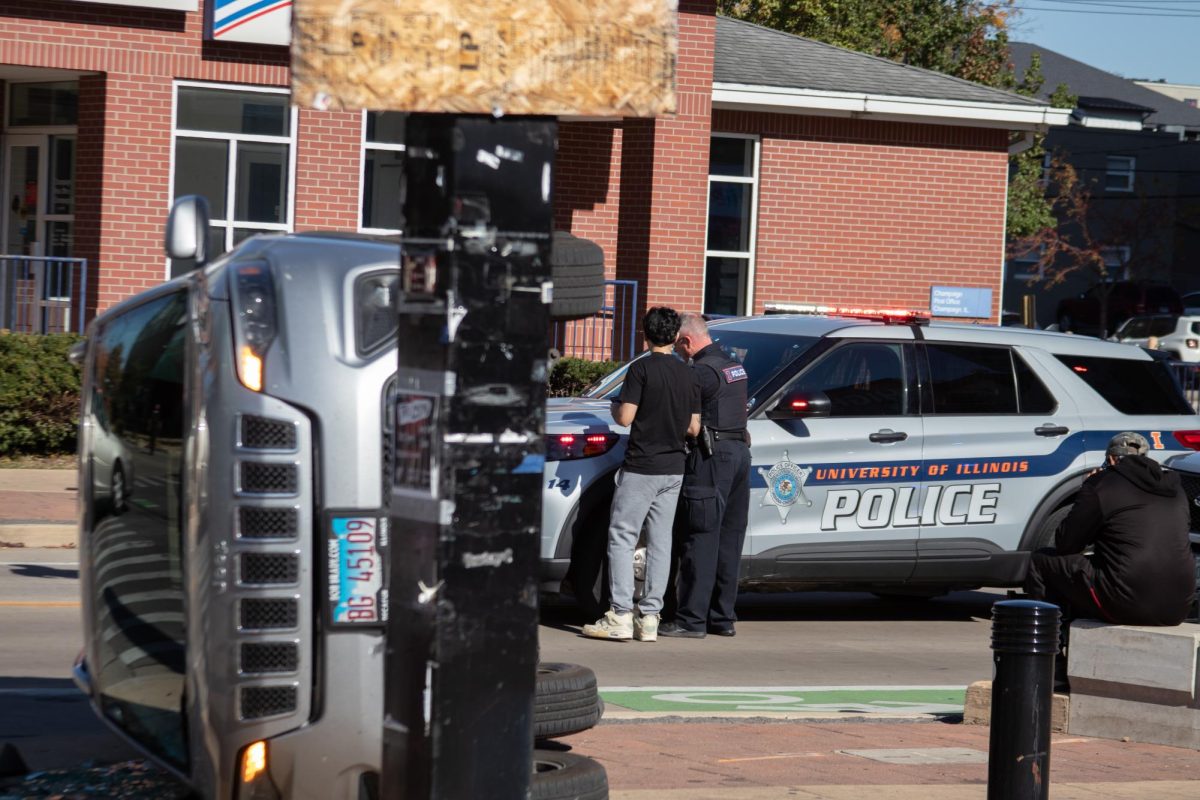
{"points": [[567, 776], [589, 569], [1046, 534]]}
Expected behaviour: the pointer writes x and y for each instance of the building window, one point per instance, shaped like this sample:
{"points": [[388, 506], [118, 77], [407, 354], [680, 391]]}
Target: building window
{"points": [[1119, 174], [732, 216], [383, 167], [43, 104], [1027, 264], [1116, 260], [236, 148]]}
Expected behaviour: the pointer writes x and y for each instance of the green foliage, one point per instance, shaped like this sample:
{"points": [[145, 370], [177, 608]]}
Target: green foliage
{"points": [[570, 376], [39, 394]]}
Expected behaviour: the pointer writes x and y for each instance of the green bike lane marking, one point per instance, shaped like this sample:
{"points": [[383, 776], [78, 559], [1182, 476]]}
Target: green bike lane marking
{"points": [[801, 699]]}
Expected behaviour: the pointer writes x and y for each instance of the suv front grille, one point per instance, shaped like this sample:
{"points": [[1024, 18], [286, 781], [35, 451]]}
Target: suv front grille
{"points": [[263, 657], [260, 433], [268, 523], [264, 478], [268, 614], [1191, 487], [269, 569], [267, 701]]}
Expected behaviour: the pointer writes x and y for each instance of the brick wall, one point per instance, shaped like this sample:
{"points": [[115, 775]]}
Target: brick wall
{"points": [[124, 149], [872, 213]]}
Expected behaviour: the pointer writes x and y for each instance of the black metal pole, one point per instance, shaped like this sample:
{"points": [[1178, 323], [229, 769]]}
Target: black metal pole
{"points": [[1024, 645], [466, 458]]}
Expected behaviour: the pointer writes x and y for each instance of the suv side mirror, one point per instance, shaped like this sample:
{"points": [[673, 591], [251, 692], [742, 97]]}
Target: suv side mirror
{"points": [[187, 229], [799, 403]]}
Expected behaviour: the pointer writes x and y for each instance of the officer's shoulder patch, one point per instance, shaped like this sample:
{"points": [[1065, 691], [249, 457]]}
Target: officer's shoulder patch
{"points": [[735, 373]]}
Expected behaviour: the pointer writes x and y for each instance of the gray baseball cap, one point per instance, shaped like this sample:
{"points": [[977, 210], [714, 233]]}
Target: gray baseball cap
{"points": [[1128, 443]]}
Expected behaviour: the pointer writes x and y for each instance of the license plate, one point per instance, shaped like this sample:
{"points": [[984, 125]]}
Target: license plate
{"points": [[357, 558]]}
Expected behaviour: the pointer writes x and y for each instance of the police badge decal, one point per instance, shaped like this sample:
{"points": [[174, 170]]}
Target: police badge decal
{"points": [[785, 486]]}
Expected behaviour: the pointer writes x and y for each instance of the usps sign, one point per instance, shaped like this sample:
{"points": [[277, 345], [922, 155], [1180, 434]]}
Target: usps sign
{"points": [[960, 301], [250, 21]]}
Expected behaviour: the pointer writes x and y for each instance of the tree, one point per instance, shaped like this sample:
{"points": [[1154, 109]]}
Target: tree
{"points": [[964, 38], [1090, 232]]}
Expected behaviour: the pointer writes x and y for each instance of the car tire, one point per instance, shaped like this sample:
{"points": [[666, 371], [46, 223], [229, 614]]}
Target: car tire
{"points": [[1046, 533], [565, 700], [577, 269], [567, 776], [588, 573], [118, 494]]}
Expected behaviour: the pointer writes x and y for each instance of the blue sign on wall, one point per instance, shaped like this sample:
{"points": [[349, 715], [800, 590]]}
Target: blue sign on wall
{"points": [[960, 301]]}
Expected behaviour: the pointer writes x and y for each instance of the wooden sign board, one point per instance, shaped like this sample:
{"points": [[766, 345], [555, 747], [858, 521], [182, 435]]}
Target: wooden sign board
{"points": [[572, 57]]}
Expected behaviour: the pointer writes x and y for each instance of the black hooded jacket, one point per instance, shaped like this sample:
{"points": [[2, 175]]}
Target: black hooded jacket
{"points": [[1135, 515]]}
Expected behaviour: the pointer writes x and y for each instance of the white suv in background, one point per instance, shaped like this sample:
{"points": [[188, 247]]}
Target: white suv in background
{"points": [[888, 455], [1178, 336]]}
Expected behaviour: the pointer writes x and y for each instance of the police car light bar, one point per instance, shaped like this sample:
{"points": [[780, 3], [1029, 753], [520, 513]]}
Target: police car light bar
{"points": [[891, 316]]}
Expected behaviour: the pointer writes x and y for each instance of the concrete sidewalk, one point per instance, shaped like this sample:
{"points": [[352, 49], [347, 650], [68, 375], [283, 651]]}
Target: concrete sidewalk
{"points": [[37, 507]]}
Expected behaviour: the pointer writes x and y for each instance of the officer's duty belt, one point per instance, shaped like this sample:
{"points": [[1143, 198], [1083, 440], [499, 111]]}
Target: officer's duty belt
{"points": [[719, 436]]}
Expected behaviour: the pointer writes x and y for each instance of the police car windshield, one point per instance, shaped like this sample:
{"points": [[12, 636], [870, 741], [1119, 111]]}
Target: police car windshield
{"points": [[762, 354]]}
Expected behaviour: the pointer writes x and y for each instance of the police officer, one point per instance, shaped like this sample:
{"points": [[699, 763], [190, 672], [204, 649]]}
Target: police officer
{"points": [[716, 491]]}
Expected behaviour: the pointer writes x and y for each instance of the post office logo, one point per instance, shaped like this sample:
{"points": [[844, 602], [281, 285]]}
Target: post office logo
{"points": [[785, 486]]}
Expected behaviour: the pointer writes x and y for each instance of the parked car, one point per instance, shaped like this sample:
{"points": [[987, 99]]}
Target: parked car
{"points": [[1178, 336], [1124, 299], [888, 456], [1191, 303]]}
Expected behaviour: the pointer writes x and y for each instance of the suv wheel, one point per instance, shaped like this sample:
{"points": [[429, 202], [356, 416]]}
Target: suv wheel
{"points": [[1046, 534], [589, 569], [566, 776]]}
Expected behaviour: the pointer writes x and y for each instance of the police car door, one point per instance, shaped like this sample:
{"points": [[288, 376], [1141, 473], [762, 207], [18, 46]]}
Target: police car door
{"points": [[998, 439], [836, 466]]}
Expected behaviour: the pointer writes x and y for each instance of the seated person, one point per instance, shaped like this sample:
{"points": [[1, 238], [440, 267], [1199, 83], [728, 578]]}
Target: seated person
{"points": [[1134, 514]]}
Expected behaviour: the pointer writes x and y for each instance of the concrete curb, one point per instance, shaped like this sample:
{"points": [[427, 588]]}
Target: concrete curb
{"points": [[38, 535]]}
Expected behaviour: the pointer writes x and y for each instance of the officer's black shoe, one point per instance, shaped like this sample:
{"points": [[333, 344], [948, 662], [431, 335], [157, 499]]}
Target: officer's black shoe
{"points": [[673, 629], [723, 631]]}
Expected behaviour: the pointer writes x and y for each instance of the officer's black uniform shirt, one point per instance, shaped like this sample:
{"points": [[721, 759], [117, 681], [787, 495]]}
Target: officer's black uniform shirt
{"points": [[722, 389]]}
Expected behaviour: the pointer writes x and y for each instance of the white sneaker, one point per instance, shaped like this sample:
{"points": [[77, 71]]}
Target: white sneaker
{"points": [[645, 627], [611, 626]]}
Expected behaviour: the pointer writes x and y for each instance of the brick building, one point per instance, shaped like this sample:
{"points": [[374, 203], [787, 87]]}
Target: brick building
{"points": [[793, 172]]}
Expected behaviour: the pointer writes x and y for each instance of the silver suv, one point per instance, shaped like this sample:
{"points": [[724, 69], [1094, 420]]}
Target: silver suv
{"points": [[888, 455]]}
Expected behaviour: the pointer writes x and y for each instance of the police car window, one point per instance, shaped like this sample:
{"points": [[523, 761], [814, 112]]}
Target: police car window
{"points": [[1032, 395], [861, 380], [1131, 387], [1162, 326], [762, 354], [971, 380], [1134, 328]]}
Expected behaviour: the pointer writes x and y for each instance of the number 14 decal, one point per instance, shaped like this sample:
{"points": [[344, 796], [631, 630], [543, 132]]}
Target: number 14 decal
{"points": [[562, 483]]}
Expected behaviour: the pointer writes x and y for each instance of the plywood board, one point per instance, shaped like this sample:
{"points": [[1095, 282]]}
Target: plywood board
{"points": [[585, 57]]}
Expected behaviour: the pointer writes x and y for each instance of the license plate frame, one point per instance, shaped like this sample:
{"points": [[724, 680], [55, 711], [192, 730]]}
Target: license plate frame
{"points": [[356, 560]]}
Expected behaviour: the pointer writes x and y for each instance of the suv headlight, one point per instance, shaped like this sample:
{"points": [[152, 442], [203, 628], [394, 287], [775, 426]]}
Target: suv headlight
{"points": [[255, 325], [568, 446]]}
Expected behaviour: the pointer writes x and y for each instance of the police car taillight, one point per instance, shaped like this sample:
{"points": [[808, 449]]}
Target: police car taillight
{"points": [[568, 446], [1189, 439]]}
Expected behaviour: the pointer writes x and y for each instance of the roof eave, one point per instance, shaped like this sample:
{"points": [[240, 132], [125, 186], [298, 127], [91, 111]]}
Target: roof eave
{"points": [[817, 102]]}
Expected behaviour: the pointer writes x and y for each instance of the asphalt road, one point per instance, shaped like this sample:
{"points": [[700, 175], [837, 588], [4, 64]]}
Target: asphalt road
{"points": [[790, 640]]}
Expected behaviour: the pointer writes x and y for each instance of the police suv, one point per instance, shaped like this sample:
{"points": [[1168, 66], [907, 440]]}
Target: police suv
{"points": [[888, 454]]}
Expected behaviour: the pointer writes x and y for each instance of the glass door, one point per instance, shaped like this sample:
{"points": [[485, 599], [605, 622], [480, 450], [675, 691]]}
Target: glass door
{"points": [[39, 192]]}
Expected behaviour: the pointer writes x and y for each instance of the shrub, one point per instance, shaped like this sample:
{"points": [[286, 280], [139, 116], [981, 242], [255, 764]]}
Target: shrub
{"points": [[570, 376], [39, 394]]}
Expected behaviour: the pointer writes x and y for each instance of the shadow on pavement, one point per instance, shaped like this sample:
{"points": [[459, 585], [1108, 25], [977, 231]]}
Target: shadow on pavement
{"points": [[43, 571]]}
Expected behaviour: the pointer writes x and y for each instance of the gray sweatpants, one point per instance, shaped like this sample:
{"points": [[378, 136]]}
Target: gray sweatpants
{"points": [[638, 500]]}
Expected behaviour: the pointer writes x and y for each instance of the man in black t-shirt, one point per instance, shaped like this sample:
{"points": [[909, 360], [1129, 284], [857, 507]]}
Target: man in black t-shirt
{"points": [[661, 405]]}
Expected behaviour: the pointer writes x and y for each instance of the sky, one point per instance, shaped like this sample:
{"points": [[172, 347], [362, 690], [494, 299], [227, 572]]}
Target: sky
{"points": [[1136, 39]]}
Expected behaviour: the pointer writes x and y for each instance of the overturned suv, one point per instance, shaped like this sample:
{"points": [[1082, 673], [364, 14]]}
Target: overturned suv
{"points": [[888, 454], [231, 460]]}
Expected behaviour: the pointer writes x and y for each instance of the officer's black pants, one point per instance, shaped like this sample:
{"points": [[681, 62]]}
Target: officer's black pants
{"points": [[716, 504]]}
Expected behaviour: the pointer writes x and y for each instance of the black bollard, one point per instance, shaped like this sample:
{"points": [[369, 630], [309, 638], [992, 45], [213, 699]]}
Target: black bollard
{"points": [[1024, 645]]}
